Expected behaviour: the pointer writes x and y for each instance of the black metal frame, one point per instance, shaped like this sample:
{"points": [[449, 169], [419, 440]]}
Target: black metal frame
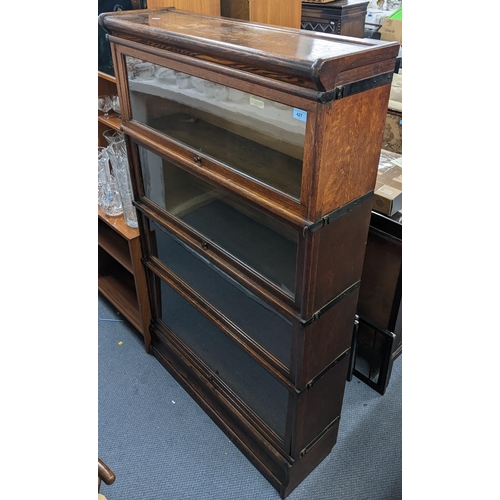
{"points": [[379, 363], [374, 348]]}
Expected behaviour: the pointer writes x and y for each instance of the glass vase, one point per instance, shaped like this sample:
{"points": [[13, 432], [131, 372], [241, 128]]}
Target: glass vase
{"points": [[119, 163], [108, 195], [103, 160]]}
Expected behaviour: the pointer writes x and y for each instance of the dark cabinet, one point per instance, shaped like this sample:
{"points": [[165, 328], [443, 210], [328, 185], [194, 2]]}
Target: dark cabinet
{"points": [[378, 336], [253, 153], [341, 17]]}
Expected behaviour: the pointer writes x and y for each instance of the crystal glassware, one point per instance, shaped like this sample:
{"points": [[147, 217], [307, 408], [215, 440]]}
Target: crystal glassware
{"points": [[105, 104], [144, 70], [166, 75], [210, 89], [221, 93], [103, 162], [236, 95], [183, 80], [199, 84], [116, 142], [108, 195], [119, 162], [112, 136], [115, 103]]}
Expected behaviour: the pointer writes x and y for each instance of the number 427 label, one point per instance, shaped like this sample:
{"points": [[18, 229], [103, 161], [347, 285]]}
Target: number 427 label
{"points": [[300, 114]]}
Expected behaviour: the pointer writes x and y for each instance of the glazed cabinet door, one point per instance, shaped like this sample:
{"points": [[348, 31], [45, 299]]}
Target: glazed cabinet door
{"points": [[239, 131], [253, 241]]}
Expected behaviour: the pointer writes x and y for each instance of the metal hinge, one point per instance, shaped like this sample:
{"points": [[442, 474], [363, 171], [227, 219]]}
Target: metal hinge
{"points": [[338, 212], [319, 436], [315, 316], [331, 95], [328, 368], [355, 87]]}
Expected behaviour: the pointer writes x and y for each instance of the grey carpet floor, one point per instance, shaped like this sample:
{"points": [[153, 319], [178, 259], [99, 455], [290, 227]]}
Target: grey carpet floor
{"points": [[162, 446]]}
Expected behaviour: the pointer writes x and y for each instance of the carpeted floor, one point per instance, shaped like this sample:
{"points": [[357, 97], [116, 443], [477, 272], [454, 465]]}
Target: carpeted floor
{"points": [[162, 446]]}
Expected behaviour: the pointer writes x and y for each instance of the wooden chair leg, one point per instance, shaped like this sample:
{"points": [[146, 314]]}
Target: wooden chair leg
{"points": [[104, 473]]}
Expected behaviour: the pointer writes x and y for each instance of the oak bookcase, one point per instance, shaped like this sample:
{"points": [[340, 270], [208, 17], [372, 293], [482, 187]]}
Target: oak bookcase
{"points": [[253, 152]]}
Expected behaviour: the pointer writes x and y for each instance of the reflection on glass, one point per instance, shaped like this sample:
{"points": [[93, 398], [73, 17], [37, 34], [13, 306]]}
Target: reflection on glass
{"points": [[268, 328], [254, 385], [262, 243], [258, 137]]}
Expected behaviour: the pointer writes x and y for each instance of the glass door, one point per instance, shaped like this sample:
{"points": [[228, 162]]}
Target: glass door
{"points": [[251, 135], [261, 243]]}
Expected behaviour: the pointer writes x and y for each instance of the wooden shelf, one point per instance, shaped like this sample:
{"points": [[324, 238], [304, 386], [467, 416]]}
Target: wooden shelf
{"points": [[118, 286], [121, 275], [119, 225], [113, 121], [115, 245], [107, 77]]}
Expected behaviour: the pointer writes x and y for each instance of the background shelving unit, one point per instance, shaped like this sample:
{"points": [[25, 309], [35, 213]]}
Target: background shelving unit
{"points": [[121, 276]]}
